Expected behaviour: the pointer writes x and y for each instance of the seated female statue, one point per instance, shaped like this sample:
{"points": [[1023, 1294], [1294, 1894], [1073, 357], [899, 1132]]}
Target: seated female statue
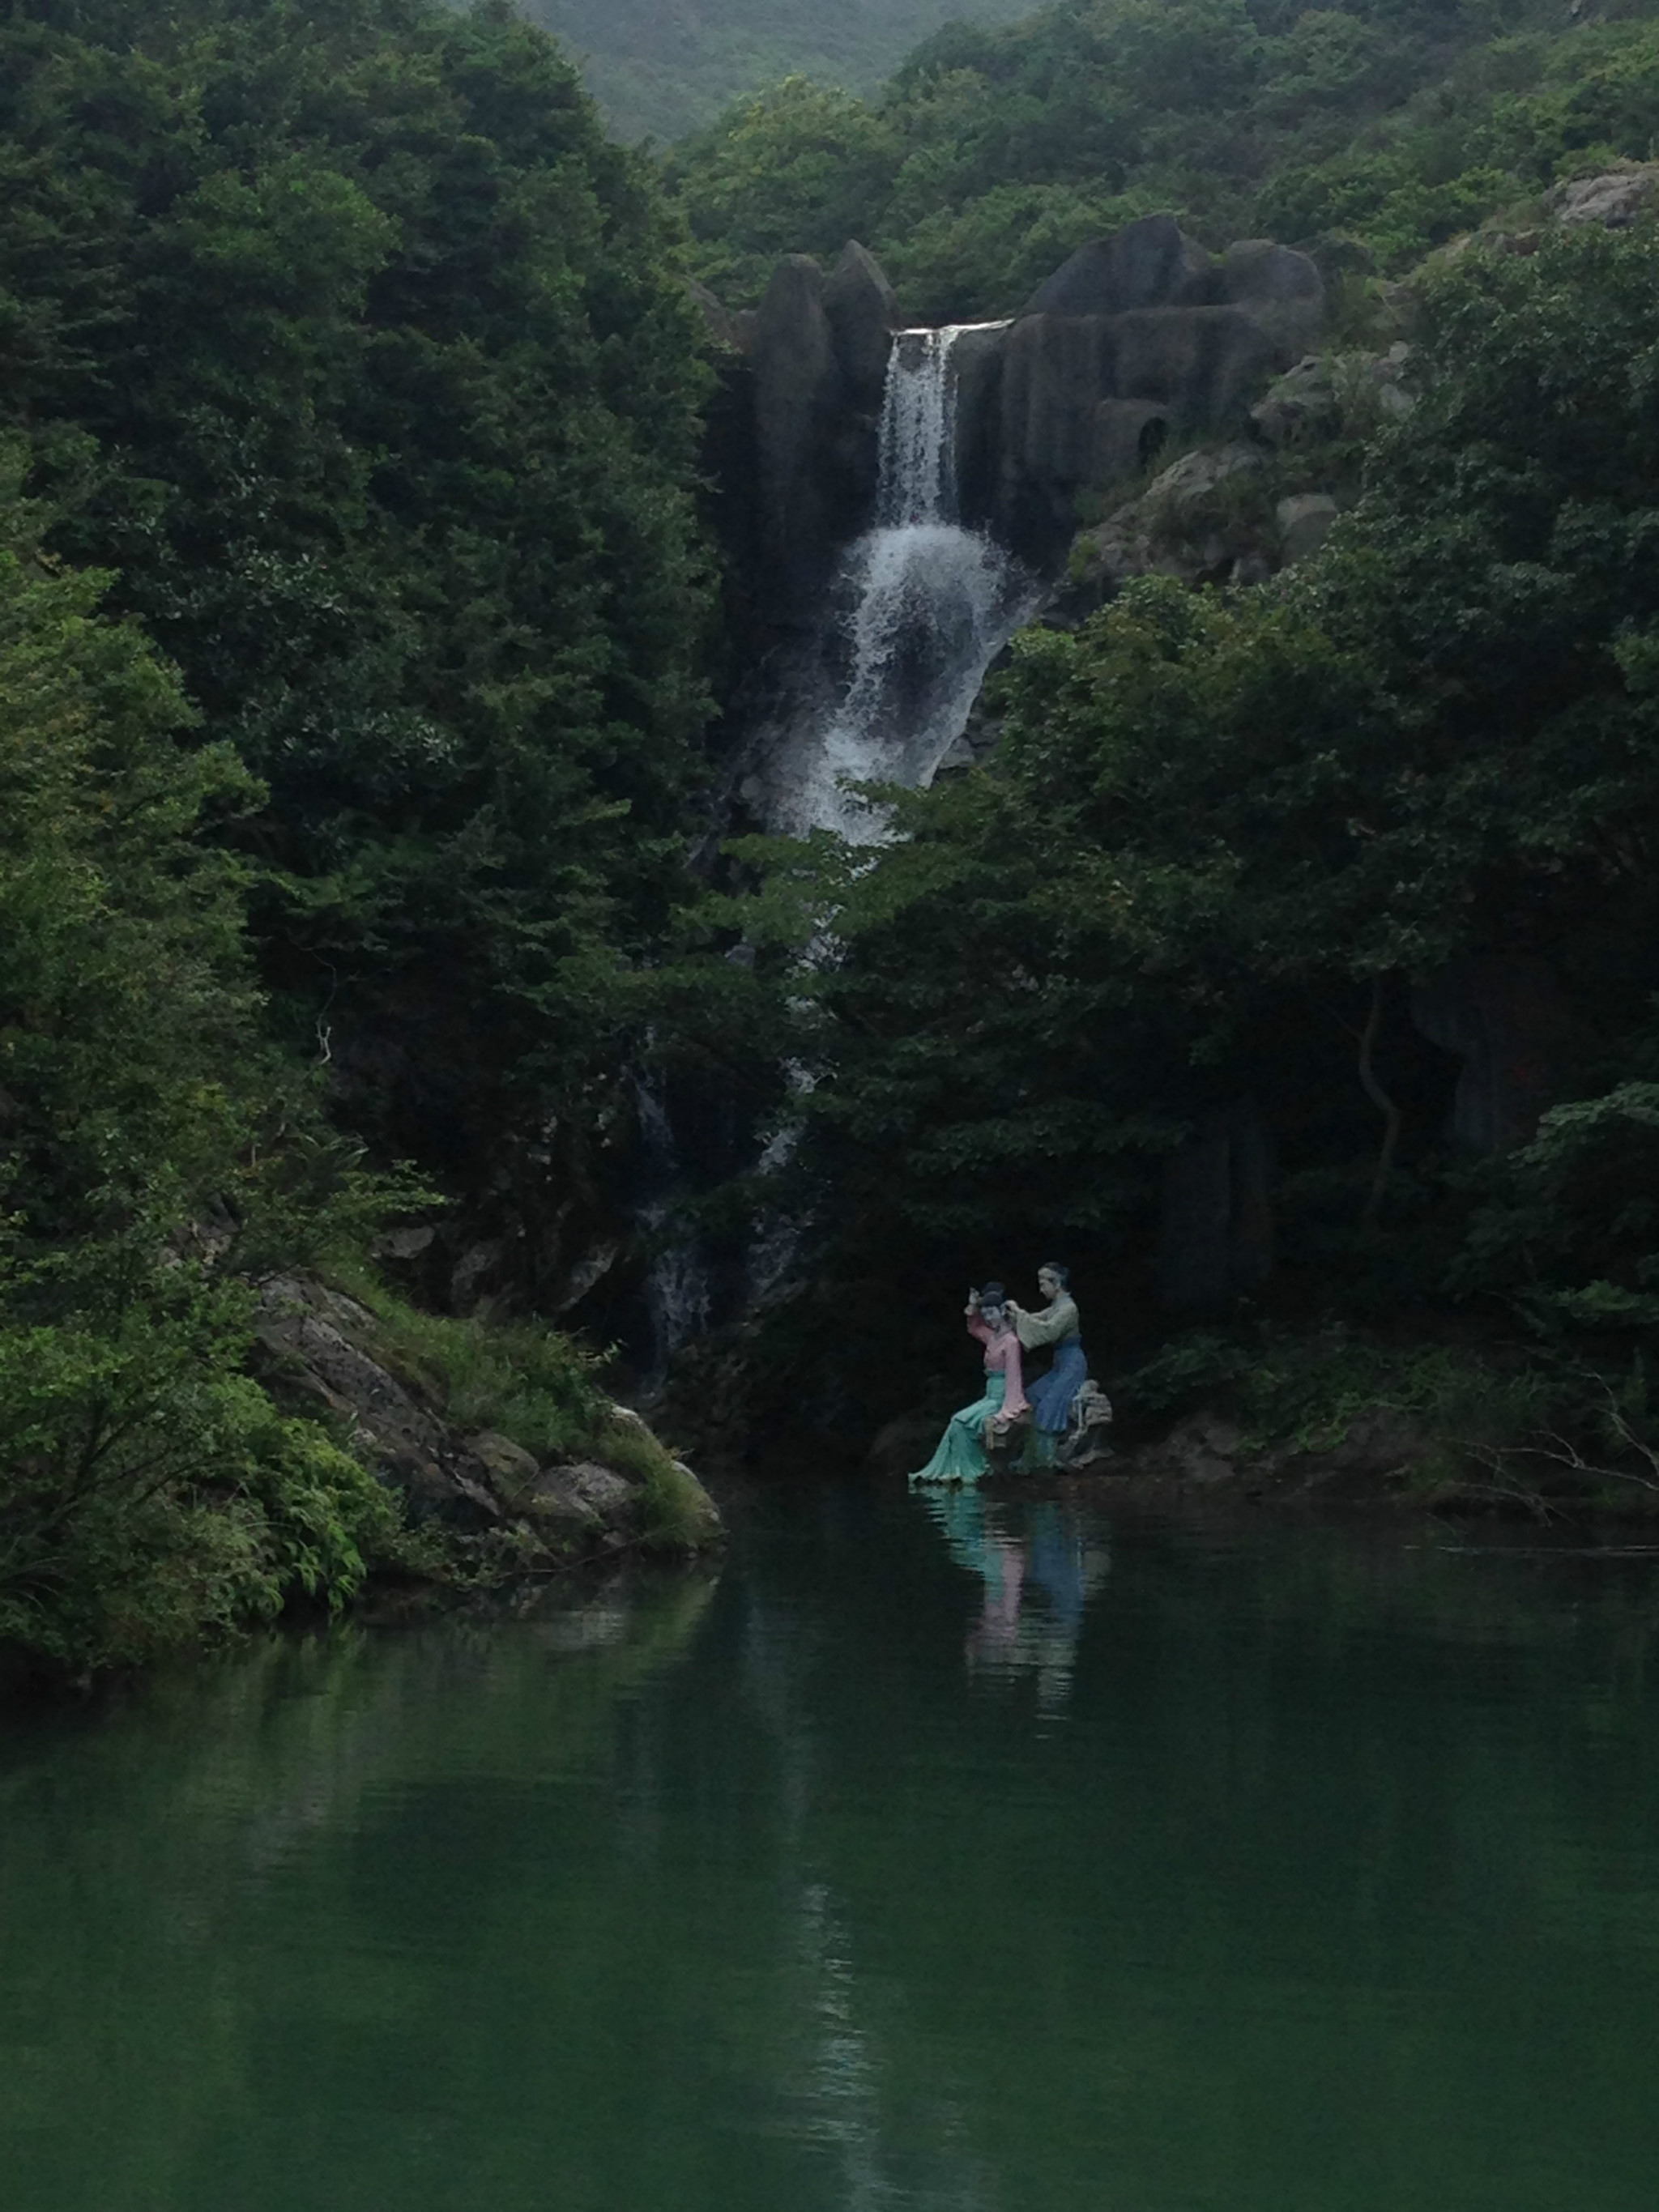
{"points": [[961, 1456]]}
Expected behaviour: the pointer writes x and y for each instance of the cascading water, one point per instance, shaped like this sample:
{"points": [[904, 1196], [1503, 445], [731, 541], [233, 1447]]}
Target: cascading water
{"points": [[927, 607], [921, 609]]}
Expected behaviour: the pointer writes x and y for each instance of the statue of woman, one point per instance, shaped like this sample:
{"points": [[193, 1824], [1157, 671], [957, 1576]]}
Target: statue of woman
{"points": [[961, 1456], [1053, 1396]]}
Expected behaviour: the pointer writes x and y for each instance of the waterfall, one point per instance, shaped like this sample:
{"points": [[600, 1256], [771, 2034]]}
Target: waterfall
{"points": [[922, 608]]}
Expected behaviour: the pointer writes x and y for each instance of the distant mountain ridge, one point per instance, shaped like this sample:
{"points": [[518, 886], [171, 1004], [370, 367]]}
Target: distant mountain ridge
{"points": [[660, 68]]}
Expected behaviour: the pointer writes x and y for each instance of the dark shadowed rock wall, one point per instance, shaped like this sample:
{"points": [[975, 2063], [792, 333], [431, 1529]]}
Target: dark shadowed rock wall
{"points": [[1138, 339]]}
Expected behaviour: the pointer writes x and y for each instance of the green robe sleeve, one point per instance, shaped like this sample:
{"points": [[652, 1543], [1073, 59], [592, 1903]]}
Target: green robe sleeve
{"points": [[1054, 1323]]}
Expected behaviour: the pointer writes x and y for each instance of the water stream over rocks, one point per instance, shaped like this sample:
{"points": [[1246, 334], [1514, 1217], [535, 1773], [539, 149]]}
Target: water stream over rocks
{"points": [[921, 609]]}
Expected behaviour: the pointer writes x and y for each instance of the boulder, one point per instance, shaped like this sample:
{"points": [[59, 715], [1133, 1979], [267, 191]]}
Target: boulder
{"points": [[317, 1336], [471, 1277], [1282, 288], [406, 1243], [323, 1351], [1185, 524], [1147, 264], [510, 1468], [1305, 521], [862, 313], [1328, 395], [1508, 1019], [1615, 198], [796, 396], [585, 1489]]}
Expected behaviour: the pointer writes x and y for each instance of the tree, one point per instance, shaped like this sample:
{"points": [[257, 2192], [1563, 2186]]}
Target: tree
{"points": [[355, 351], [150, 1491]]}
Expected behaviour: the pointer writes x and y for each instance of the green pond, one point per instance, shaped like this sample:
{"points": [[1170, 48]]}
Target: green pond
{"points": [[967, 1859]]}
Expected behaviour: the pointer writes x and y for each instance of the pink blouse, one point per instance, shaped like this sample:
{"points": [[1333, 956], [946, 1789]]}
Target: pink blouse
{"points": [[1002, 1357]]}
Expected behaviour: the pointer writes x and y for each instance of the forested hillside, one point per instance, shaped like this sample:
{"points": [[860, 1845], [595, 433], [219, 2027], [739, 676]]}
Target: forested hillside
{"points": [[659, 70], [360, 641], [1234, 880], [354, 637], [1391, 124]]}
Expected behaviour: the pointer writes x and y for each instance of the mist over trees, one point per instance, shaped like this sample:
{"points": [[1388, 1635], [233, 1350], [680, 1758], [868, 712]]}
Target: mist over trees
{"points": [[659, 71], [995, 151]]}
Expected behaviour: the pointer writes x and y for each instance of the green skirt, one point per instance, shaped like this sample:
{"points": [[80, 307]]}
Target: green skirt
{"points": [[961, 1454]]}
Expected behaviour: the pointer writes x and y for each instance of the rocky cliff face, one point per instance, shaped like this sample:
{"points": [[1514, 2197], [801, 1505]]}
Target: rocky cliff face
{"points": [[327, 1354], [1139, 338], [816, 357]]}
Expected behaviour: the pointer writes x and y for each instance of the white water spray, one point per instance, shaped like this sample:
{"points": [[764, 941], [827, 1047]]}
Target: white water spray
{"points": [[930, 605]]}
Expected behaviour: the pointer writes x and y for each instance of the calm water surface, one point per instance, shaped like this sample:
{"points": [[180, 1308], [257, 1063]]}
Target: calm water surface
{"points": [[916, 1859]]}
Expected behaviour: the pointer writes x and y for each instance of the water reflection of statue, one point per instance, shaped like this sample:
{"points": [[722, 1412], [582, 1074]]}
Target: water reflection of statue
{"points": [[961, 1456], [1038, 1565], [1052, 1398]]}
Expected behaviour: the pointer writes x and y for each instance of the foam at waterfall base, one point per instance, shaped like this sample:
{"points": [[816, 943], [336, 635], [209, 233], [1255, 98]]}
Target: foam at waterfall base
{"points": [[930, 606]]}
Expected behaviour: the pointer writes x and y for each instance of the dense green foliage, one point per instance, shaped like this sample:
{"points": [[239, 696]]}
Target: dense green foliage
{"points": [[150, 1491], [1225, 828], [662, 70], [540, 1390], [993, 152], [346, 364], [358, 352]]}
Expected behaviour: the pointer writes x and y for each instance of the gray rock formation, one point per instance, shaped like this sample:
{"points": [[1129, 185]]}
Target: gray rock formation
{"points": [[1305, 521], [817, 357], [1281, 289], [1333, 395], [1147, 264], [1197, 521], [863, 315], [1615, 198], [1137, 338], [323, 1351], [797, 394]]}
